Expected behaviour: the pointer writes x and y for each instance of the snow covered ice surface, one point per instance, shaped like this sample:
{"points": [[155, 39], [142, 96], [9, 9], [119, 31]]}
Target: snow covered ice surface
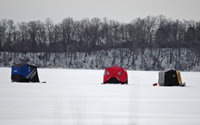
{"points": [[77, 97]]}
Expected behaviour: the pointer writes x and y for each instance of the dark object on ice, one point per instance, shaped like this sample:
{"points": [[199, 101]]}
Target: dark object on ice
{"points": [[183, 84], [24, 73], [115, 74], [170, 78]]}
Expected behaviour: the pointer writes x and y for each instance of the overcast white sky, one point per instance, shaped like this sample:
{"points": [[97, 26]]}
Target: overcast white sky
{"points": [[121, 10]]}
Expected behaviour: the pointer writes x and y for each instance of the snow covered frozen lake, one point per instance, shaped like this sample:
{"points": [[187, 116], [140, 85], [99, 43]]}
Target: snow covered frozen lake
{"points": [[77, 97]]}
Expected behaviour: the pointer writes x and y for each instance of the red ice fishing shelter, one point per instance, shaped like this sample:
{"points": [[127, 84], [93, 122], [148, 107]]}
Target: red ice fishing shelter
{"points": [[115, 74]]}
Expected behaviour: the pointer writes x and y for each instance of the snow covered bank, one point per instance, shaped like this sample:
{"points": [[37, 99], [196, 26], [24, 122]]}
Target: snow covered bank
{"points": [[148, 59]]}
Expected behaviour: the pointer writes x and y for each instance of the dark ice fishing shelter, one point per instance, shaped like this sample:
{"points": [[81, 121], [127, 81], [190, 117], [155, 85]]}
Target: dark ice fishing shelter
{"points": [[170, 78], [24, 73]]}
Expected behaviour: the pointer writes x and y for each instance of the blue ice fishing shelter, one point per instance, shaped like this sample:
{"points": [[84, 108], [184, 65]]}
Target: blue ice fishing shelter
{"points": [[24, 73]]}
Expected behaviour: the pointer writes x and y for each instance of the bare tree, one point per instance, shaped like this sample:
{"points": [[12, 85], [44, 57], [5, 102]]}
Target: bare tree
{"points": [[3, 28]]}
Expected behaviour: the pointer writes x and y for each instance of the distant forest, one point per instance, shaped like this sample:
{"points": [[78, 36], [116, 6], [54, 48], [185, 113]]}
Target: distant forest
{"points": [[89, 35]]}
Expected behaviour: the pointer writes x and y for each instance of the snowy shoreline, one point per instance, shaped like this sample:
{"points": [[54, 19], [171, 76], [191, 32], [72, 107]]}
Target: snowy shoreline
{"points": [[146, 60]]}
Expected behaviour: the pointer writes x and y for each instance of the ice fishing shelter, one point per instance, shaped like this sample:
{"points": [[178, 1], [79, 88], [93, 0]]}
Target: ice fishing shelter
{"points": [[24, 73], [115, 74], [169, 78]]}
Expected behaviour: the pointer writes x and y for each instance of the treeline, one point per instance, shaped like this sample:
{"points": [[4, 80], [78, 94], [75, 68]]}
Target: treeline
{"points": [[152, 43], [89, 35]]}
